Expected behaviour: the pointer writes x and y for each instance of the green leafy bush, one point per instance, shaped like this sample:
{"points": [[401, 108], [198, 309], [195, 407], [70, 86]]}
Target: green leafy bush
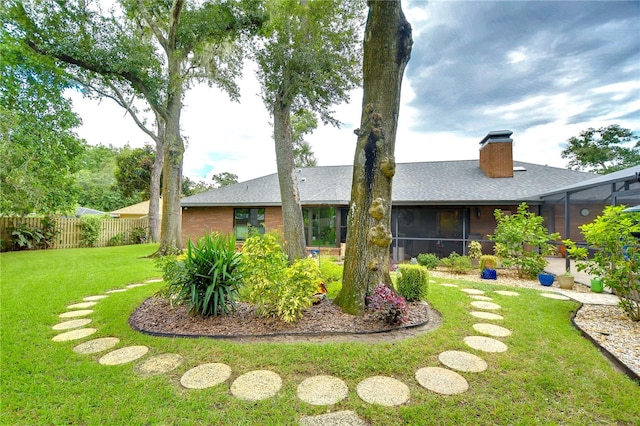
{"points": [[488, 261], [25, 237], [475, 249], [457, 264], [330, 270], [617, 258], [138, 235], [90, 228], [413, 282], [277, 289], [206, 277], [428, 260], [523, 241]]}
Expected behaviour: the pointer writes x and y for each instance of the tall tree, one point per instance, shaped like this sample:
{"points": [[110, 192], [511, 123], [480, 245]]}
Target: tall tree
{"points": [[603, 150], [38, 146], [153, 50], [133, 171], [387, 49], [223, 179], [303, 122], [308, 60]]}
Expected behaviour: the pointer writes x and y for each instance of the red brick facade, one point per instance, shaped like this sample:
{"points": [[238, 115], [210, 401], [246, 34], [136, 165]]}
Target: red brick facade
{"points": [[496, 159], [199, 221]]}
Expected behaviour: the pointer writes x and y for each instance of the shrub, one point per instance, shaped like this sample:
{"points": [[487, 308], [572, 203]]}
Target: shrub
{"points": [[206, 277], [523, 241], [277, 289], [413, 282], [24, 236], [617, 259], [330, 271], [488, 261], [475, 249], [457, 264], [90, 227], [428, 260], [117, 240], [388, 305], [138, 235]]}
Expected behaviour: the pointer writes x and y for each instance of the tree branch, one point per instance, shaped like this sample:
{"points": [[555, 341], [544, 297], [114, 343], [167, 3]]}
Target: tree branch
{"points": [[152, 24]]}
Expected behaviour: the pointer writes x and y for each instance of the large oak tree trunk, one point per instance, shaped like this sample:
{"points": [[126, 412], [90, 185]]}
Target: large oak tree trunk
{"points": [[293, 222], [154, 191], [387, 49]]}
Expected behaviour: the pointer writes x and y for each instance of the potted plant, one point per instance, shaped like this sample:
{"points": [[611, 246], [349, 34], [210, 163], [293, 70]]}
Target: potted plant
{"points": [[475, 252], [566, 281], [488, 267], [545, 279]]}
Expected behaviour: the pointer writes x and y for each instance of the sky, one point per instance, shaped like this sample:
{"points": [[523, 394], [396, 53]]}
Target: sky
{"points": [[544, 70]]}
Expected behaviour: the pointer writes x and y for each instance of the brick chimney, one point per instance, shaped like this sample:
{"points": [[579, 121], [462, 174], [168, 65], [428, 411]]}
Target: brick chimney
{"points": [[496, 154]]}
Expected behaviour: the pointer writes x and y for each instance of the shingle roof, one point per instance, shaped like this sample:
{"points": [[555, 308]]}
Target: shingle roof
{"points": [[443, 182]]}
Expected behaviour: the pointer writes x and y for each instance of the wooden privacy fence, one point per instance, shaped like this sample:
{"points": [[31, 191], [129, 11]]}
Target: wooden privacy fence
{"points": [[68, 230]]}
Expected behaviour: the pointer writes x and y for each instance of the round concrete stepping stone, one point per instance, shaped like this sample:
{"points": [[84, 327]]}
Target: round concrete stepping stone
{"points": [[322, 390], [82, 305], [485, 344], [478, 297], [136, 285], [205, 376], [432, 281], [487, 315], [472, 291], [123, 355], [448, 285], [485, 305], [159, 364], [383, 390], [492, 330], [507, 293], [339, 418], [96, 345], [95, 298], [463, 361], [117, 290], [554, 296], [74, 334], [256, 385], [441, 380], [74, 314], [154, 280], [68, 325]]}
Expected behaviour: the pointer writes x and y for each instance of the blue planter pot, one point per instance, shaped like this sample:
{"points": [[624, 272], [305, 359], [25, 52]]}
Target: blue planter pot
{"points": [[546, 279], [489, 274]]}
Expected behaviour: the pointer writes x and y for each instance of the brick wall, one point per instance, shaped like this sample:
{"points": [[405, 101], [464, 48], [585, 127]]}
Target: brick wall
{"points": [[496, 159], [199, 221]]}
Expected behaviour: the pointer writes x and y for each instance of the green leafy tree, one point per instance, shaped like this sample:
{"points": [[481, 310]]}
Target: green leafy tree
{"points": [[133, 172], [191, 187], [603, 150], [223, 179], [308, 60], [387, 48], [303, 122], [96, 181], [152, 51], [523, 241], [617, 256], [38, 145]]}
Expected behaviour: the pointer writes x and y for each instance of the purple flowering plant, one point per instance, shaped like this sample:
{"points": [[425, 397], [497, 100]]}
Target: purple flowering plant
{"points": [[391, 307]]}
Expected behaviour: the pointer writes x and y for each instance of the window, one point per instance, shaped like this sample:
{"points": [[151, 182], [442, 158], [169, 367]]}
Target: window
{"points": [[320, 224], [246, 219]]}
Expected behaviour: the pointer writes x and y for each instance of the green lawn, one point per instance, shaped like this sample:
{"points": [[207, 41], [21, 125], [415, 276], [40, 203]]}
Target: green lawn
{"points": [[549, 375]]}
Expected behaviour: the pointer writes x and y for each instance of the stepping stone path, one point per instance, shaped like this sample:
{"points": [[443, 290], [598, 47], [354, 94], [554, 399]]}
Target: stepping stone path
{"points": [[554, 296], [256, 385], [383, 390], [319, 390], [487, 315], [322, 390]]}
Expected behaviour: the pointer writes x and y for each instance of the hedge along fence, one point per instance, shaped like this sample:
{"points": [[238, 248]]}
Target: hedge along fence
{"points": [[68, 230]]}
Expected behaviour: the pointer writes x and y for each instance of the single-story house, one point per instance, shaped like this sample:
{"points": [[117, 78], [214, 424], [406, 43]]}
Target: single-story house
{"points": [[134, 211], [438, 207]]}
